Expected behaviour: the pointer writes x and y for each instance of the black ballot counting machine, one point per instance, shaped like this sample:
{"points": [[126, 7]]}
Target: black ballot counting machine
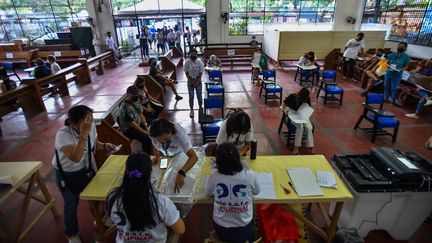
{"points": [[385, 170]]}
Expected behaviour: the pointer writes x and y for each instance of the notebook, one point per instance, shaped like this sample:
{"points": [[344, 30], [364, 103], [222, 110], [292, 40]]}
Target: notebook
{"points": [[304, 183]]}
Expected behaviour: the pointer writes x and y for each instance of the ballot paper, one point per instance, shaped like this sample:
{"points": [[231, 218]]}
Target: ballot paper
{"points": [[302, 115], [304, 183], [267, 190], [9, 55], [326, 179], [405, 75]]}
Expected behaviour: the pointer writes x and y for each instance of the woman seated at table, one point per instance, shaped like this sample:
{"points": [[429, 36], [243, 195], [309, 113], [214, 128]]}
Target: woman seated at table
{"points": [[376, 75], [53, 64], [41, 70], [170, 139], [424, 70], [213, 62], [235, 224], [151, 107], [309, 60], [237, 129], [140, 212], [293, 103], [259, 63], [74, 144]]}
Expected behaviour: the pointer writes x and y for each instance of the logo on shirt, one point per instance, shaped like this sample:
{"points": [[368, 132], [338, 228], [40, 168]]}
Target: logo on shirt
{"points": [[238, 191]]}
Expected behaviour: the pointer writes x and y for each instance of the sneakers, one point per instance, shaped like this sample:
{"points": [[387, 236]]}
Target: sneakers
{"points": [[74, 239], [191, 114], [178, 97], [428, 102], [413, 116]]}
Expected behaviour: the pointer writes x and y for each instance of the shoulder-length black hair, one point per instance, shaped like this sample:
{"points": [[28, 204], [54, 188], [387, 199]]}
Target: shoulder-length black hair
{"points": [[238, 122], [161, 126], [228, 160], [76, 114], [136, 195]]}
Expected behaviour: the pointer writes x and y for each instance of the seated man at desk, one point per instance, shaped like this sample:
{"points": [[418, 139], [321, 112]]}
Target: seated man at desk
{"points": [[423, 71], [162, 80], [213, 63]]}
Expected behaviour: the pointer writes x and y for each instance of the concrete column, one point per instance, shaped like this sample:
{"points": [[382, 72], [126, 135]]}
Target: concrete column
{"points": [[103, 23], [348, 8]]}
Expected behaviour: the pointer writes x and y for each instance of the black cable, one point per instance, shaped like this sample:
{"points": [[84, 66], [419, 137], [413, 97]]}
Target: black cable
{"points": [[376, 214]]}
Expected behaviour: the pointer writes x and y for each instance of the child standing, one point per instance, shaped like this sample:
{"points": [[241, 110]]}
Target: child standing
{"points": [[139, 212], [232, 187]]}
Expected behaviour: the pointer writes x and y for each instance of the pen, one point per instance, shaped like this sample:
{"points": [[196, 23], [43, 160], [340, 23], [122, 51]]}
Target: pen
{"points": [[289, 182]]}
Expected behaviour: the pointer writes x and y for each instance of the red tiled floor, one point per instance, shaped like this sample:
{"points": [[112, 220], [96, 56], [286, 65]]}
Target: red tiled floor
{"points": [[33, 138]]}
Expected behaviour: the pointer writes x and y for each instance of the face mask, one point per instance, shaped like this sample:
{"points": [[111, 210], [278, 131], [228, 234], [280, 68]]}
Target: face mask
{"points": [[135, 98], [401, 49], [193, 58]]}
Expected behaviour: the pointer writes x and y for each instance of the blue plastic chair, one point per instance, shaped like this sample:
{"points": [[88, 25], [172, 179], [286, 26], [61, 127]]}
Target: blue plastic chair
{"points": [[380, 119], [329, 86], [210, 126], [271, 89], [10, 69], [215, 87]]}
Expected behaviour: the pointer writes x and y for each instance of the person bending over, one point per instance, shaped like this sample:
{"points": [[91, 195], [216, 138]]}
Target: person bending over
{"points": [[237, 129], [131, 120], [162, 80], [139, 212], [151, 107], [233, 185]]}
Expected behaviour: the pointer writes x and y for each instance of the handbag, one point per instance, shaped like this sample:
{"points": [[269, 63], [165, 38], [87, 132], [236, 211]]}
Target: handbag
{"points": [[76, 181]]}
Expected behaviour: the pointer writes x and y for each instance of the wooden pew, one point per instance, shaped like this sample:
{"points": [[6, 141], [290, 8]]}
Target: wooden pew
{"points": [[154, 89], [98, 62], [64, 56], [18, 57], [242, 55], [109, 133], [167, 68], [368, 65], [331, 59], [174, 56], [27, 100]]}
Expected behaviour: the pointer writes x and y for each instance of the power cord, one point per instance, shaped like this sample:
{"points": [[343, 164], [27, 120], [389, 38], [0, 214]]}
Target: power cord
{"points": [[376, 214]]}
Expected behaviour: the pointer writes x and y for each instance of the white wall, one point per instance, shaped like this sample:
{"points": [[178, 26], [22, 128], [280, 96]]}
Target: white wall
{"points": [[348, 8]]}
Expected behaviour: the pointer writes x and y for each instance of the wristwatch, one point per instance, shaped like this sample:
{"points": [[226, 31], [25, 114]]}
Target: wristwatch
{"points": [[181, 172]]}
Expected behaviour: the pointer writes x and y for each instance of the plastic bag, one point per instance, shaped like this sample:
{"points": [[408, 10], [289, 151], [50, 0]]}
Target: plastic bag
{"points": [[277, 224]]}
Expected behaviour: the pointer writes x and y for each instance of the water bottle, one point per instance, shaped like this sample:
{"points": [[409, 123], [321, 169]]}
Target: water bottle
{"points": [[253, 149]]}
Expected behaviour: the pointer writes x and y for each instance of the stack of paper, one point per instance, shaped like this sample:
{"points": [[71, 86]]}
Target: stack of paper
{"points": [[304, 182], [267, 190], [326, 179], [302, 115]]}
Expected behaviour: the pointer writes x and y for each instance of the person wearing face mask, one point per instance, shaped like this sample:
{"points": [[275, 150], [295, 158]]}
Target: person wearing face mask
{"points": [[397, 62], [162, 80], [170, 139], [352, 49], [74, 144], [151, 107], [131, 120], [194, 69]]}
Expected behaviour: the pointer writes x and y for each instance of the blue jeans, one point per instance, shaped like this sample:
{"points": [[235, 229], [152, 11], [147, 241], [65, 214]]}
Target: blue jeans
{"points": [[70, 208], [391, 83], [422, 101], [236, 234], [191, 94]]}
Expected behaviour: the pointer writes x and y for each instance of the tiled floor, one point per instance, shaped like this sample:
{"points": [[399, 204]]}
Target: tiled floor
{"points": [[32, 138]]}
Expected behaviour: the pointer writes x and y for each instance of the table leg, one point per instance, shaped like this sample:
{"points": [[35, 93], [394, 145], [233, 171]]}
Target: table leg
{"points": [[24, 208], [306, 221], [331, 231], [46, 194]]}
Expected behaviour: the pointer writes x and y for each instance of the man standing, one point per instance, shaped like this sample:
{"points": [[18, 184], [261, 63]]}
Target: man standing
{"points": [[194, 69], [110, 41], [178, 35], [352, 49], [188, 37], [171, 38]]}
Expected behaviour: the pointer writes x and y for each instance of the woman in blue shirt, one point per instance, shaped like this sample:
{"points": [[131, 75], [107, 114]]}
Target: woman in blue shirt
{"points": [[397, 62]]}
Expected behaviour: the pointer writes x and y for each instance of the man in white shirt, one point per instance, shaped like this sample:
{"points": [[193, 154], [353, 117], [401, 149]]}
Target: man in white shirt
{"points": [[194, 69], [188, 37], [352, 49], [110, 41], [178, 36]]}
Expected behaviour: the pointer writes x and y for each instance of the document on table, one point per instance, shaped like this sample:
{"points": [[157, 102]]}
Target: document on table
{"points": [[6, 180], [267, 190], [302, 115], [9, 55], [326, 179], [303, 182]]}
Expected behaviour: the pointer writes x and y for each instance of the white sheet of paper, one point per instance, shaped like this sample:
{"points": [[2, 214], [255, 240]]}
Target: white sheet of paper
{"points": [[267, 190], [326, 179], [82, 52], [230, 52], [6, 179], [405, 75], [304, 183], [9, 55], [302, 115], [57, 53]]}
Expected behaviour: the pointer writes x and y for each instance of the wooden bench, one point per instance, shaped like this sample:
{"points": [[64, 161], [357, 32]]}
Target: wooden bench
{"points": [[241, 56], [98, 62], [167, 68], [154, 89], [109, 132], [18, 57], [64, 56], [174, 56]]}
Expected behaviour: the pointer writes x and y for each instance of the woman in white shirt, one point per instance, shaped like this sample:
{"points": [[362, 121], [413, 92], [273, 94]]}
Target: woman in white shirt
{"points": [[74, 144], [232, 187], [54, 65], [139, 212], [237, 129]]}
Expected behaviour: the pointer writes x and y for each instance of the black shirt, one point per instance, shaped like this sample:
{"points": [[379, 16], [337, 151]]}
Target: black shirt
{"points": [[42, 72]]}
